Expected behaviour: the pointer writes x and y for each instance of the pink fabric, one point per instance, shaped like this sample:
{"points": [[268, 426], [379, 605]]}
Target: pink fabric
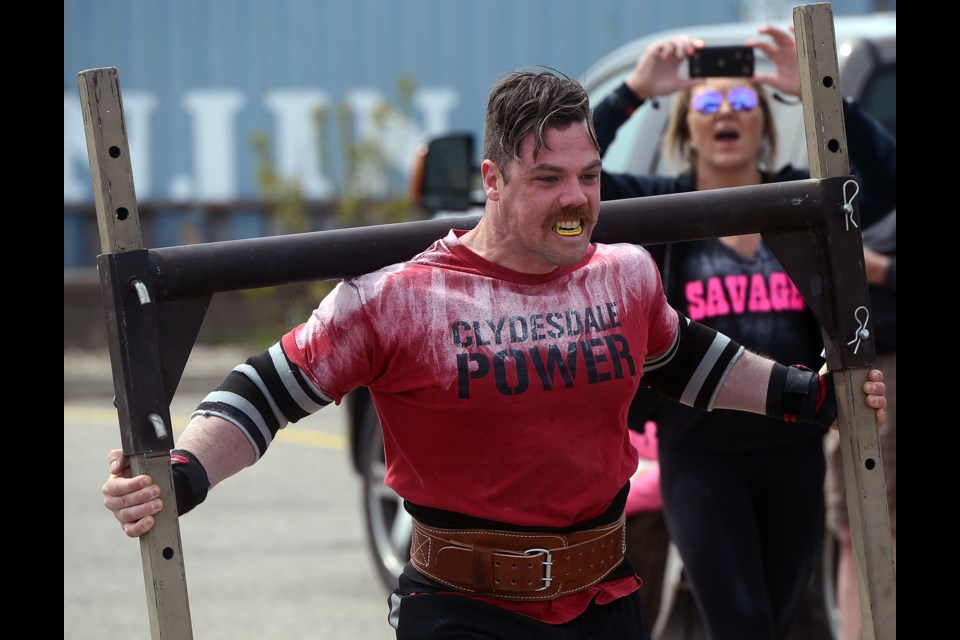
{"points": [[645, 483]]}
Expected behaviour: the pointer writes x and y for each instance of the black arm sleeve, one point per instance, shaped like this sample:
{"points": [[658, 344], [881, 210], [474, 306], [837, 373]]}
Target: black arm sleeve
{"points": [[262, 396], [612, 112], [695, 368], [873, 161]]}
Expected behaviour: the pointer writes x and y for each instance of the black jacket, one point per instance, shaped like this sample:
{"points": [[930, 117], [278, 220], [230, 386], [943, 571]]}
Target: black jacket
{"points": [[790, 338]]}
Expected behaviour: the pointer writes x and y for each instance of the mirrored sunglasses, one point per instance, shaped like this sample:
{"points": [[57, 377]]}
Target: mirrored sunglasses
{"points": [[740, 99]]}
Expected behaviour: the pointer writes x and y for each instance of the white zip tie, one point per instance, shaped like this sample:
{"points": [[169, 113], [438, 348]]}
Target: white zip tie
{"points": [[848, 204], [862, 332]]}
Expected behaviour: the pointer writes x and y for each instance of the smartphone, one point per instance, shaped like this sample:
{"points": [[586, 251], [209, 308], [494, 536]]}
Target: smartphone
{"points": [[708, 62]]}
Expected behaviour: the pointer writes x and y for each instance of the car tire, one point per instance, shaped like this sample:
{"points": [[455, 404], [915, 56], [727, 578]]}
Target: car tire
{"points": [[388, 524]]}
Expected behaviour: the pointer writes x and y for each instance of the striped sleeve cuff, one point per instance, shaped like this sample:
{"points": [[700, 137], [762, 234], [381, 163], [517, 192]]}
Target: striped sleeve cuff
{"points": [[693, 370], [262, 396]]}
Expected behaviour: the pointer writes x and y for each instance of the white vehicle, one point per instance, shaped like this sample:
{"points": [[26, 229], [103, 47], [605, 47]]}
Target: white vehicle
{"points": [[867, 55]]}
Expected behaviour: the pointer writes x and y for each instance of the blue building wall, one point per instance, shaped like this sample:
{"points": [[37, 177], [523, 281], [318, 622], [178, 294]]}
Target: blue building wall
{"points": [[201, 77]]}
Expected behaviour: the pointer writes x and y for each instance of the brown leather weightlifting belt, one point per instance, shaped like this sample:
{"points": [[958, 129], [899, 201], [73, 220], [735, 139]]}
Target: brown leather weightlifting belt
{"points": [[516, 565]]}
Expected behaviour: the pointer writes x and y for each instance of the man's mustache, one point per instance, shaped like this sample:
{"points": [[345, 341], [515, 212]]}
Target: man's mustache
{"points": [[579, 212]]}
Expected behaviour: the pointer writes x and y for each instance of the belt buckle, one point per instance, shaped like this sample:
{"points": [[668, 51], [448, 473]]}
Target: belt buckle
{"points": [[547, 564]]}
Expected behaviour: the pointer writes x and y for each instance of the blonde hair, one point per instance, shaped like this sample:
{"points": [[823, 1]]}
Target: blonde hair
{"points": [[676, 139]]}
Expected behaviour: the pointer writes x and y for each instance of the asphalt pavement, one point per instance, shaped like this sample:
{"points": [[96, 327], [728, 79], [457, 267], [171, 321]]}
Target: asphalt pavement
{"points": [[278, 551]]}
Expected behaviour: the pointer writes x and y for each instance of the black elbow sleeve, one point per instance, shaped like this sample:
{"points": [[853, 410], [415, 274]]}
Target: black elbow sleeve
{"points": [[695, 369]]}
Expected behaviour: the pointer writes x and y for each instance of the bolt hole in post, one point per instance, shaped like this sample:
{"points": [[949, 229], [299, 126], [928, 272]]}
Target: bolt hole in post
{"points": [[122, 213], [870, 464], [114, 151], [167, 553], [833, 145], [827, 81]]}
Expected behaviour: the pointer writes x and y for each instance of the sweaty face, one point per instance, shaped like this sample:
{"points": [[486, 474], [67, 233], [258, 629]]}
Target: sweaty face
{"points": [[548, 208], [727, 130]]}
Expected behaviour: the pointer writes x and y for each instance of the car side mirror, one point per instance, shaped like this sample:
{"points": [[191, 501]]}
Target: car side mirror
{"points": [[444, 174]]}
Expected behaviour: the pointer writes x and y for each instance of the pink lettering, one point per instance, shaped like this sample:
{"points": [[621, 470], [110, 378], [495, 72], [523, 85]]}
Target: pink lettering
{"points": [[797, 303], [780, 293], [732, 294], [737, 289], [694, 292], [759, 299], [717, 304]]}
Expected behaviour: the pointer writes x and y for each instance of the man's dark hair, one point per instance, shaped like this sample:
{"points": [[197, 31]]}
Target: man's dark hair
{"points": [[530, 102]]}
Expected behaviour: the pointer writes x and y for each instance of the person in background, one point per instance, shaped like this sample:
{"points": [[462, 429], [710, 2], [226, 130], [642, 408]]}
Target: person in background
{"points": [[648, 541], [502, 361], [743, 499], [880, 256]]}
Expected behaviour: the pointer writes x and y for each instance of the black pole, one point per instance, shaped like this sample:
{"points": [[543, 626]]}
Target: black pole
{"points": [[201, 269]]}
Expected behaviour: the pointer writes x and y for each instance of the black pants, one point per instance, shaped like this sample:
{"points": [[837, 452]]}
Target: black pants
{"points": [[442, 616], [746, 525], [648, 545]]}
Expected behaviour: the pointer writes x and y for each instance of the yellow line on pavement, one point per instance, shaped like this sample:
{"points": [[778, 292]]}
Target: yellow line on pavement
{"points": [[293, 435]]}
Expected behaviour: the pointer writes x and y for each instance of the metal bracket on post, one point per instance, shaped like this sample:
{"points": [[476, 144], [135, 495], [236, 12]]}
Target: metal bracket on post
{"points": [[132, 319], [850, 350]]}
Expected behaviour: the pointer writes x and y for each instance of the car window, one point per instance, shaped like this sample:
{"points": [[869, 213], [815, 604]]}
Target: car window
{"points": [[626, 153]]}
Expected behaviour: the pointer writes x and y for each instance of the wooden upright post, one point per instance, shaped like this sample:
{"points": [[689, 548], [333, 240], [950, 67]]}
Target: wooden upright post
{"points": [[850, 355], [146, 432]]}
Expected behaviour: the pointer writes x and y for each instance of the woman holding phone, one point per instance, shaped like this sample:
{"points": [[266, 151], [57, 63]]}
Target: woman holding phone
{"points": [[742, 495]]}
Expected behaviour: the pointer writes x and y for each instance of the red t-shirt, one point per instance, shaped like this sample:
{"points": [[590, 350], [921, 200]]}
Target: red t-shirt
{"points": [[502, 395]]}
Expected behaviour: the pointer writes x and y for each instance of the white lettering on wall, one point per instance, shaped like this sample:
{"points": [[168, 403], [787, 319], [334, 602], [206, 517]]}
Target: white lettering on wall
{"points": [[436, 105], [138, 108], [394, 135], [212, 113], [369, 179], [214, 140], [298, 138]]}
